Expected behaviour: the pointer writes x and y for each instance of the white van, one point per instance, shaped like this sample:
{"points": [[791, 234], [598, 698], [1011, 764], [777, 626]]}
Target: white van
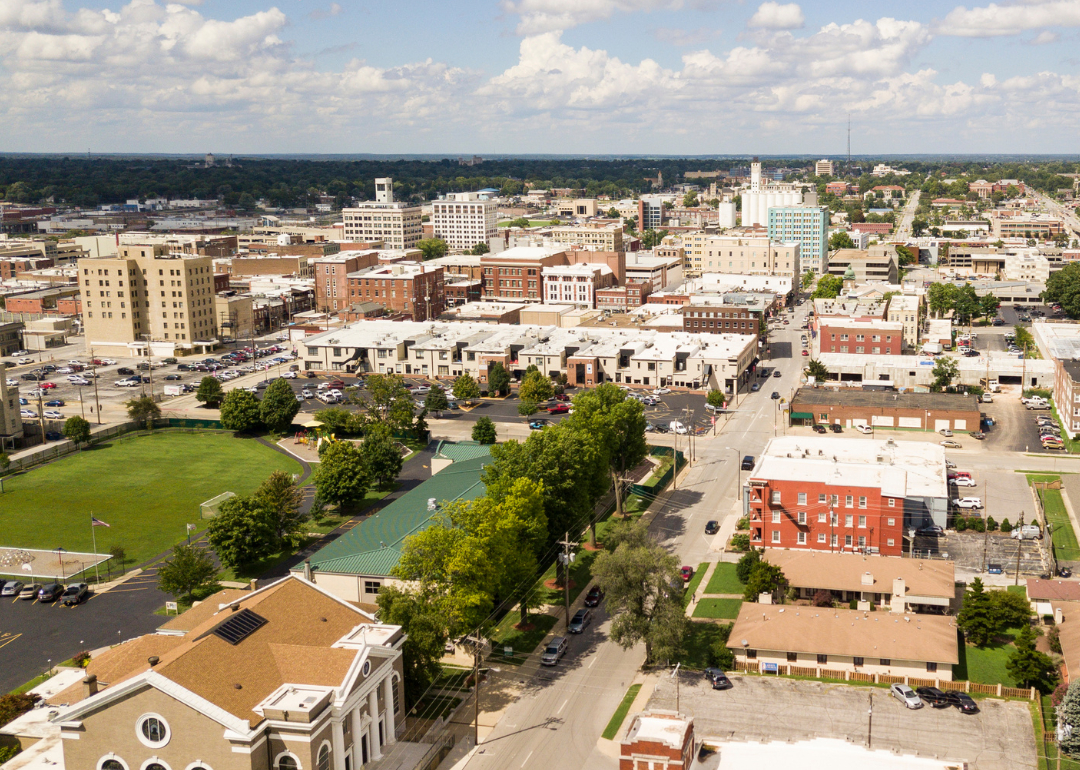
{"points": [[1027, 532]]}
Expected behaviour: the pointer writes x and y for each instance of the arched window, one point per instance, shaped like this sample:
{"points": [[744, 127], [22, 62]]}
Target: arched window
{"points": [[155, 766], [111, 764], [287, 762], [324, 758], [152, 730]]}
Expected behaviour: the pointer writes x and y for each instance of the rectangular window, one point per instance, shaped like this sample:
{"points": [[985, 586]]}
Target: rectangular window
{"points": [[776, 497], [776, 517], [821, 499], [849, 501], [821, 537], [862, 501], [892, 502], [792, 657], [821, 518], [847, 539], [891, 541], [776, 536], [857, 661], [891, 522], [849, 520], [751, 654], [836, 499], [862, 522], [802, 538], [802, 517], [372, 587], [822, 659], [834, 541], [802, 498], [931, 668], [862, 541]]}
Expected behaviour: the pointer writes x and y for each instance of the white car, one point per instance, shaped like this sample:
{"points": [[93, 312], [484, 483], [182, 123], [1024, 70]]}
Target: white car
{"points": [[35, 392], [306, 393], [964, 481], [65, 370], [906, 695], [28, 414], [951, 444], [945, 432], [126, 383], [971, 503], [23, 361], [108, 362], [864, 429], [11, 383], [661, 391], [54, 414], [289, 376], [78, 380], [678, 427]]}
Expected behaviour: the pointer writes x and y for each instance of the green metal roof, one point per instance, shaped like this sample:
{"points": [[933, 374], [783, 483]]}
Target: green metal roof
{"points": [[459, 451], [374, 546]]}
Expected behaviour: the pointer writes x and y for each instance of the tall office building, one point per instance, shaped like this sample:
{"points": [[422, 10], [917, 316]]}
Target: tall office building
{"points": [[809, 227], [147, 293], [397, 225], [823, 168], [464, 220]]}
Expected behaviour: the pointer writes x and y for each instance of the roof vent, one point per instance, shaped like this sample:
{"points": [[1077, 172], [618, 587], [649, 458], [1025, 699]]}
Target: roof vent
{"points": [[153, 660]]}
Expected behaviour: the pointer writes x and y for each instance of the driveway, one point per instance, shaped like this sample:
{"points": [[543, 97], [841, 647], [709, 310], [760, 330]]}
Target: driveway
{"points": [[1000, 737]]}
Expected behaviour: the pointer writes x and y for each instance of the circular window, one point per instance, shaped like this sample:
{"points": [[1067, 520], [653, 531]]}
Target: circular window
{"points": [[153, 731], [155, 764], [367, 668]]}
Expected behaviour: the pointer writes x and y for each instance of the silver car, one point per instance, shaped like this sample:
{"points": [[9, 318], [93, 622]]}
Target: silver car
{"points": [[11, 588], [906, 695]]}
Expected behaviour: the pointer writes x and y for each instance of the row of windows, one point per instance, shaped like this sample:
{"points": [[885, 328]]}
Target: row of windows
{"points": [[849, 540], [824, 499], [793, 657], [862, 337]]}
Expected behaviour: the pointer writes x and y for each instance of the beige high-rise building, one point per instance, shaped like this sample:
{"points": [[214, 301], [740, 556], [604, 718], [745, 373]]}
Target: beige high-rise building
{"points": [[397, 225], [148, 294], [464, 220], [823, 168]]}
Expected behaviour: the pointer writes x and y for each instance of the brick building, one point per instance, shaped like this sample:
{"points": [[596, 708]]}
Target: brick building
{"points": [[886, 409], [720, 319], [874, 228], [658, 740], [461, 290], [10, 267], [623, 298], [409, 287], [877, 338], [40, 301], [331, 277], [844, 495]]}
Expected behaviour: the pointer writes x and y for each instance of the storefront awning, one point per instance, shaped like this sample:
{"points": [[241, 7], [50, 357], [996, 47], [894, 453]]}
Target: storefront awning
{"points": [[802, 416]]}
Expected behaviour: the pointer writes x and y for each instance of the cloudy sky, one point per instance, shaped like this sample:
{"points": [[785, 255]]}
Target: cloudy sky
{"points": [[539, 76]]}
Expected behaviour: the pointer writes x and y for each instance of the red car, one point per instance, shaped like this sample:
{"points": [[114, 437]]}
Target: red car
{"points": [[48, 385], [559, 409], [562, 397], [806, 352], [687, 573]]}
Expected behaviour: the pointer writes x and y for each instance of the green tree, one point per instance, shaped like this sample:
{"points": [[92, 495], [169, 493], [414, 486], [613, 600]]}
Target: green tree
{"points": [[465, 388], [436, 401], [143, 409], [944, 372], [906, 256], [828, 287], [527, 408], [483, 431], [479, 249], [1008, 610], [690, 199], [342, 476], [1068, 718], [716, 398], [1023, 338], [240, 411], [965, 304], [210, 392], [77, 430], [119, 555], [421, 620], [808, 279], [278, 406], [940, 298], [765, 578], [1028, 667], [282, 499], [643, 594], [389, 401], [432, 248], [840, 240], [189, 569], [650, 239], [1063, 287], [336, 420], [817, 370], [746, 565], [976, 617], [13, 705], [242, 532], [383, 457], [498, 378], [536, 388]]}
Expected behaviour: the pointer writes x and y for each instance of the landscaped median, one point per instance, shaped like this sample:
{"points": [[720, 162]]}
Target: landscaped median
{"points": [[1063, 536]]}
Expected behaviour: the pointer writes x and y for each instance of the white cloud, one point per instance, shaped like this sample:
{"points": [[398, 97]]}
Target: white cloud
{"points": [[1044, 38], [1010, 18], [540, 16], [772, 15], [326, 13]]}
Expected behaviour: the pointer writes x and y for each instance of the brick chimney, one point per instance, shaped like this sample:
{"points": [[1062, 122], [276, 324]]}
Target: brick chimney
{"points": [[90, 686]]}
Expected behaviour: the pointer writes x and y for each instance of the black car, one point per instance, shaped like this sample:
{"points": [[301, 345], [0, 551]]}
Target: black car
{"points": [[748, 463], [592, 599], [931, 530], [835, 428], [717, 678], [76, 593], [935, 697], [125, 370], [184, 368], [712, 527], [50, 592], [52, 435], [172, 377], [143, 366], [964, 703], [35, 376], [661, 427], [818, 428], [774, 395]]}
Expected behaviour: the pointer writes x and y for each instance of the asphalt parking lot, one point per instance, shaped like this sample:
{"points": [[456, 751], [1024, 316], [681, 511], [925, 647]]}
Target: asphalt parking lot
{"points": [[999, 737]]}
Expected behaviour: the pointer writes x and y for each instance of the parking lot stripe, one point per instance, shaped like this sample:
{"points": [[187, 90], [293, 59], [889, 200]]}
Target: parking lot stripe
{"points": [[4, 642]]}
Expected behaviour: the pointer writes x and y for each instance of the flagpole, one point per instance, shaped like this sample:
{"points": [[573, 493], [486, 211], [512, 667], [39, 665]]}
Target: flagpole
{"points": [[97, 575]]}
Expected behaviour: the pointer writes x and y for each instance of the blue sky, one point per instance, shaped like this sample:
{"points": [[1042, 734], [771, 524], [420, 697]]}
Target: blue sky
{"points": [[535, 76]]}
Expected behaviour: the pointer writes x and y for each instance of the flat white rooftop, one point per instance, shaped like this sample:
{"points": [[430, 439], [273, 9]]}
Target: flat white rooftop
{"points": [[819, 754]]}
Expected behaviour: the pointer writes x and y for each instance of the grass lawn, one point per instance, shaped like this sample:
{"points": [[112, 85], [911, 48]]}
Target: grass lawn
{"points": [[724, 581], [726, 609], [523, 642], [695, 581], [987, 665], [617, 718], [1065, 545], [1022, 590], [701, 636], [452, 678], [147, 489]]}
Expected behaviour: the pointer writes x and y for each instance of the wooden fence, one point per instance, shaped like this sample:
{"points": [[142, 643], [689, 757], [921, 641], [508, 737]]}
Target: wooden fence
{"points": [[843, 675]]}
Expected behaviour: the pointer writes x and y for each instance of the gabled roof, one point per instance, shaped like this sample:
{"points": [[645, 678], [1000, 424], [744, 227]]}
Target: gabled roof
{"points": [[847, 571]]}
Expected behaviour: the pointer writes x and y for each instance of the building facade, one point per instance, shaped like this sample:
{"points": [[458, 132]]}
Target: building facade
{"points": [[878, 338], [604, 238], [823, 168], [397, 225], [744, 255], [332, 277], [464, 220], [575, 284], [878, 263], [809, 227], [407, 287]]}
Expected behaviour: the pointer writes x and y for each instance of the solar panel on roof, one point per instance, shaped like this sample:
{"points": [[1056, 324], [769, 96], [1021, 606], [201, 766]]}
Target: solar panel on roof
{"points": [[239, 626]]}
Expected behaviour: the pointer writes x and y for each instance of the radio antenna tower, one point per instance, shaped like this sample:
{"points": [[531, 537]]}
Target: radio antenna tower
{"points": [[849, 138]]}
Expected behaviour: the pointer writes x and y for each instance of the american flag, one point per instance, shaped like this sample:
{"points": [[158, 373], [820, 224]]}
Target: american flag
{"points": [[96, 522]]}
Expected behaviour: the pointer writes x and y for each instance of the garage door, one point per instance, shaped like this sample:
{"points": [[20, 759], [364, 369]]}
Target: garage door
{"points": [[959, 424], [910, 422], [941, 424]]}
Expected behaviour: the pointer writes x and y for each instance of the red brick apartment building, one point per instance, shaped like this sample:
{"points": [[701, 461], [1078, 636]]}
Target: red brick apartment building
{"points": [[406, 287], [332, 277], [876, 338], [658, 740], [844, 495], [720, 319], [622, 298]]}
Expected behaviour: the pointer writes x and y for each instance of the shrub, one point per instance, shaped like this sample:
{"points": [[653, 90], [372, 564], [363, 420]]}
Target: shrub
{"points": [[743, 523], [991, 525], [740, 542], [1059, 694], [81, 659], [960, 524], [977, 524], [823, 598], [746, 563], [719, 655], [1053, 638], [852, 605], [1006, 527]]}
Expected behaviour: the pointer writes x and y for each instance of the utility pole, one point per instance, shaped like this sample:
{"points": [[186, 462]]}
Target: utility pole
{"points": [[476, 689], [567, 558], [94, 377], [675, 676], [675, 463], [1019, 548]]}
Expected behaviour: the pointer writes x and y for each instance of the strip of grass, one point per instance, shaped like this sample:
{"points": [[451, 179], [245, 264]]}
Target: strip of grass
{"points": [[452, 678], [724, 581], [617, 718], [147, 489], [723, 609], [1065, 544], [522, 642], [986, 665], [692, 586], [436, 706], [1021, 590]]}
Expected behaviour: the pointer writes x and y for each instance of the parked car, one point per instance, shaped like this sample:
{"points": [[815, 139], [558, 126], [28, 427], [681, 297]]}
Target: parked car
{"points": [[819, 428], [978, 435], [687, 573], [968, 503], [717, 678], [836, 428], [964, 703], [950, 444], [964, 481], [1036, 406], [53, 414], [289, 376], [559, 408], [50, 592], [755, 388], [79, 381], [554, 651], [538, 424], [946, 432], [581, 619], [906, 695], [661, 391], [776, 373], [866, 429], [748, 463], [11, 588], [1027, 532], [986, 398], [677, 427], [935, 697], [53, 435], [30, 591], [712, 527], [76, 593], [592, 599], [28, 414], [774, 396], [930, 530]]}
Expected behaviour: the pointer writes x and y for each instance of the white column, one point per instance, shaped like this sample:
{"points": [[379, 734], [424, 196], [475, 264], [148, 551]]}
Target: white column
{"points": [[337, 744], [373, 712], [388, 699], [357, 734]]}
